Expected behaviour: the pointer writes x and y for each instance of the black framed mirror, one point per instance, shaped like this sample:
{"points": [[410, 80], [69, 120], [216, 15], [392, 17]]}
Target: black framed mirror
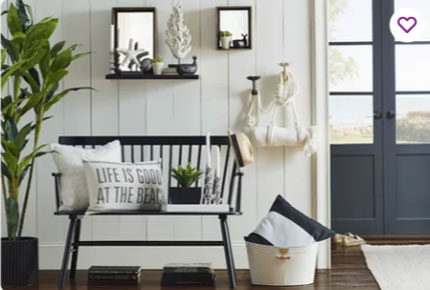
{"points": [[234, 29], [135, 37]]}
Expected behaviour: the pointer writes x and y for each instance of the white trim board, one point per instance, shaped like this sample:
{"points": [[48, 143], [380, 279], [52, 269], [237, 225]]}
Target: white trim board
{"points": [[321, 161], [50, 256]]}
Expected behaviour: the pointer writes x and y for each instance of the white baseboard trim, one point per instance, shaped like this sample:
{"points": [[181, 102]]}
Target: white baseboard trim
{"points": [[50, 256]]}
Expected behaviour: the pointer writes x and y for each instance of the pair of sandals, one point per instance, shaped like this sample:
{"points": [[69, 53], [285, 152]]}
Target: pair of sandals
{"points": [[348, 240]]}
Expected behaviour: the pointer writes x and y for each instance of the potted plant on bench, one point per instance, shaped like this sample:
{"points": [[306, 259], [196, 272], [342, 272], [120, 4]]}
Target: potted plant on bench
{"points": [[184, 193], [35, 70]]}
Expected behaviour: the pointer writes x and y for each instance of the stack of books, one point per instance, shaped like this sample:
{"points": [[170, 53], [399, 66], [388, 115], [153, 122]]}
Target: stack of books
{"points": [[196, 274], [114, 275], [170, 71]]}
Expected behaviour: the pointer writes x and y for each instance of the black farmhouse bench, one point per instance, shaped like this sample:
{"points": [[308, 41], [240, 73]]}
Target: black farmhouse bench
{"points": [[172, 150]]}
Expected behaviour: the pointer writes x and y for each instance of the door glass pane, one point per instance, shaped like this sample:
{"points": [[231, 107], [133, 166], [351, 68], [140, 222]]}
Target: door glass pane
{"points": [[350, 20], [350, 68], [423, 6], [413, 118], [351, 119], [412, 67]]}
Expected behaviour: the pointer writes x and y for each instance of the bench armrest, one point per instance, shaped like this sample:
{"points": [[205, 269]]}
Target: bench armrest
{"points": [[235, 189], [239, 174], [57, 188]]}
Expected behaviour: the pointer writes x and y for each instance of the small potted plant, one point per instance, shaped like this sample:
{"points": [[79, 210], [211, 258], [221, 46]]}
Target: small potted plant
{"points": [[225, 37], [158, 65], [184, 193]]}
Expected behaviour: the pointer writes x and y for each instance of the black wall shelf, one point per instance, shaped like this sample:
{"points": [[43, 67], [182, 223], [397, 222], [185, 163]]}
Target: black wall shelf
{"points": [[140, 76], [234, 48]]}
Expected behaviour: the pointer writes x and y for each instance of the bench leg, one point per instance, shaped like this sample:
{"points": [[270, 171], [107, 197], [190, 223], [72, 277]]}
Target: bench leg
{"points": [[67, 250], [75, 248], [228, 251]]}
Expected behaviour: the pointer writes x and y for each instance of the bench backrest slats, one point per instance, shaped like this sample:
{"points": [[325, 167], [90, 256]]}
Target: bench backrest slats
{"points": [[139, 140], [172, 150]]}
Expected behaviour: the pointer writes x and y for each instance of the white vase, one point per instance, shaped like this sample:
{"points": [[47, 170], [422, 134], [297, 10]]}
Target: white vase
{"points": [[225, 42], [158, 68]]}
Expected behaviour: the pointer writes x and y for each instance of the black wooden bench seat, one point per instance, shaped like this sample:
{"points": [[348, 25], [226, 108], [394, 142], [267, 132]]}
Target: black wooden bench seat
{"points": [[173, 150], [190, 213]]}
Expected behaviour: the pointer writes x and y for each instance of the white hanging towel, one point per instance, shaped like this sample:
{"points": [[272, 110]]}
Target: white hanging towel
{"points": [[273, 135]]}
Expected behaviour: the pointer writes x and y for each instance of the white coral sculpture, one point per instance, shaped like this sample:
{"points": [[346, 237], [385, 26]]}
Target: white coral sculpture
{"points": [[178, 36]]}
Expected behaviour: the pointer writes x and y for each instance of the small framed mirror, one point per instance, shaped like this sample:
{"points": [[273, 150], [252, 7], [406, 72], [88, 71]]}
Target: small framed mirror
{"points": [[234, 27], [135, 37]]}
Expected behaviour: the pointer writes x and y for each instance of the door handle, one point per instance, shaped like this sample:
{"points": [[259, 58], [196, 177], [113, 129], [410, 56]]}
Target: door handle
{"points": [[390, 114], [377, 115]]}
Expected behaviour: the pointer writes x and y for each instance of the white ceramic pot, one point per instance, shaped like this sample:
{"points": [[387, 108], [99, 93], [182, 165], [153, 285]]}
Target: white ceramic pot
{"points": [[225, 42], [158, 68]]}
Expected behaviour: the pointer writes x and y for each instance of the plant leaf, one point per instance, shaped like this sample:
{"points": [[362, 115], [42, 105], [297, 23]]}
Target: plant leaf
{"points": [[3, 56], [11, 130], [52, 78], [32, 101], [56, 98], [11, 162], [8, 46], [7, 73], [21, 138], [26, 160], [5, 170], [52, 92], [24, 172], [6, 101], [34, 58], [39, 33], [35, 75], [62, 60], [13, 22], [22, 13], [10, 146], [79, 55], [30, 14], [57, 48]]}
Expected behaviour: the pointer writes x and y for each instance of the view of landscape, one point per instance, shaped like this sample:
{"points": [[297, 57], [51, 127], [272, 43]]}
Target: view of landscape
{"points": [[350, 69]]}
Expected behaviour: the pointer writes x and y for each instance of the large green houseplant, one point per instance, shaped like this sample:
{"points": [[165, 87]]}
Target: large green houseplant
{"points": [[33, 68]]}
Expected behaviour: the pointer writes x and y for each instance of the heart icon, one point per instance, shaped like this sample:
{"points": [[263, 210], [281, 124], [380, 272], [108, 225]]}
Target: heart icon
{"points": [[407, 23]]}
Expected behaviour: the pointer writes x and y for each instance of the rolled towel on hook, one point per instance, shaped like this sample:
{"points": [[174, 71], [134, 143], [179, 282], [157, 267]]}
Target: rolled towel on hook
{"points": [[273, 135]]}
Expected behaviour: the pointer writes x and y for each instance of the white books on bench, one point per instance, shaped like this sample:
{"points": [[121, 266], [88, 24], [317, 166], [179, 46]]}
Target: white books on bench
{"points": [[198, 208]]}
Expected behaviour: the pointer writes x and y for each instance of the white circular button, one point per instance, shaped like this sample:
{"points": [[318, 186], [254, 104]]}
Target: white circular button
{"points": [[407, 25]]}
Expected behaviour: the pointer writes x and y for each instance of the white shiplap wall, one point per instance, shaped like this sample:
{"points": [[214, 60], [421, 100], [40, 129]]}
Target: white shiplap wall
{"points": [[215, 102]]}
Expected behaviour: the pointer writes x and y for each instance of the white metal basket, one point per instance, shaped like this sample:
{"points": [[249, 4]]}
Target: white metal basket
{"points": [[275, 266]]}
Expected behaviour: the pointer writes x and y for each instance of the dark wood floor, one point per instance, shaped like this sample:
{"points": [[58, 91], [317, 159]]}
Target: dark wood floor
{"points": [[348, 271]]}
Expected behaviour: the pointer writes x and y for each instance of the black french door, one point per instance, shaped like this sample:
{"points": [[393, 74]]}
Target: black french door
{"points": [[380, 152]]}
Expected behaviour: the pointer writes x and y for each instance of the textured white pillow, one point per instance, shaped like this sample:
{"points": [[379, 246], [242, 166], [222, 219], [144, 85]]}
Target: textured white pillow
{"points": [[73, 185], [124, 186]]}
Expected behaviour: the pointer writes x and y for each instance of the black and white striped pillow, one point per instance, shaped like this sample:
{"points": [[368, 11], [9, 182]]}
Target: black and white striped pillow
{"points": [[285, 226]]}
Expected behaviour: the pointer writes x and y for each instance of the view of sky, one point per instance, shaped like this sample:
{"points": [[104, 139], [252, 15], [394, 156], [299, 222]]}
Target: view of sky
{"points": [[412, 64]]}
